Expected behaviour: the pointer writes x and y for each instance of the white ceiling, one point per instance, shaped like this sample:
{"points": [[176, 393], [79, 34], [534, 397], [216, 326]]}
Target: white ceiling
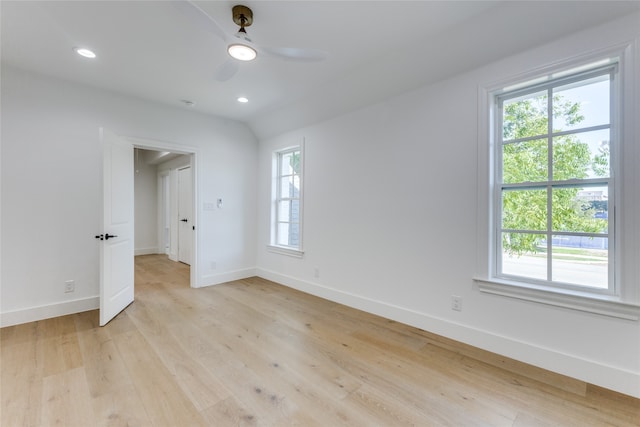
{"points": [[151, 50]]}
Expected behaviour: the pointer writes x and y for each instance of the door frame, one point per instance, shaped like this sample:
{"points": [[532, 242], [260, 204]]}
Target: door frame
{"points": [[180, 216], [151, 144]]}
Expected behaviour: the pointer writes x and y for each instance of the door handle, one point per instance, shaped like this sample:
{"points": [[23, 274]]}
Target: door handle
{"points": [[105, 236], [184, 220]]}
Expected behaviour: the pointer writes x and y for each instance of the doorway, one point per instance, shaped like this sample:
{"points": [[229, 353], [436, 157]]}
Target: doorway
{"points": [[160, 173]]}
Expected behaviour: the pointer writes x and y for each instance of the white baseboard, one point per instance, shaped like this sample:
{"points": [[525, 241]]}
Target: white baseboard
{"points": [[216, 279], [48, 311], [146, 251], [620, 380], [33, 314]]}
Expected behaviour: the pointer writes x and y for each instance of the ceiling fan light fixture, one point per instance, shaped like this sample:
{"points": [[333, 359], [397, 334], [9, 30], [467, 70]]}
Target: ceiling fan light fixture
{"points": [[87, 53], [242, 52]]}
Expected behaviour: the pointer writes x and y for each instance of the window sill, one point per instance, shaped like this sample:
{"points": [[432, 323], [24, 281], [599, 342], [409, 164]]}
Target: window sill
{"points": [[603, 305], [296, 253]]}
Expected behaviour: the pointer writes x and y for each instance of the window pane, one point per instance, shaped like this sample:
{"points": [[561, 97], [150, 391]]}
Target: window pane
{"points": [[294, 234], [285, 164], [525, 161], [580, 209], [290, 163], [531, 262], [283, 234], [524, 117], [284, 210], [582, 155], [524, 209], [295, 211], [289, 186], [289, 211], [288, 234], [580, 261], [285, 187], [581, 104]]}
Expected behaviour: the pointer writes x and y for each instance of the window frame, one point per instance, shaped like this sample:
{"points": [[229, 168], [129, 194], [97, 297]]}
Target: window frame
{"points": [[276, 198], [624, 301], [552, 183]]}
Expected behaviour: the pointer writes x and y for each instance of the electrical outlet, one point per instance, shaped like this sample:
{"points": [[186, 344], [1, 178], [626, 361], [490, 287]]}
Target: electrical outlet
{"points": [[456, 303], [214, 265], [69, 286], [316, 272]]}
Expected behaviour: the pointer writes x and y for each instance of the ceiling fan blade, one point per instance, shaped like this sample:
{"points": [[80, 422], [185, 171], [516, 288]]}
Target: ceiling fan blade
{"points": [[227, 70], [295, 54], [199, 17]]}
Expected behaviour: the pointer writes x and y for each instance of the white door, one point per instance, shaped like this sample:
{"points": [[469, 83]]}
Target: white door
{"points": [[185, 222], [116, 242]]}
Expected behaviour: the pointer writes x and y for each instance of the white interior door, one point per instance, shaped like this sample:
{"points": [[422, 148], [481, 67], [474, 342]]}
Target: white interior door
{"points": [[185, 222], [116, 242]]}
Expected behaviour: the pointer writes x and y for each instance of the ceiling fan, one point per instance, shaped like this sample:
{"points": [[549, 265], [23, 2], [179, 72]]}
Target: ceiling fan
{"points": [[239, 46]]}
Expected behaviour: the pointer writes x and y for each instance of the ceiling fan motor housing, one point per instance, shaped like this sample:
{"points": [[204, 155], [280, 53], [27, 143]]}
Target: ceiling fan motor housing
{"points": [[242, 15]]}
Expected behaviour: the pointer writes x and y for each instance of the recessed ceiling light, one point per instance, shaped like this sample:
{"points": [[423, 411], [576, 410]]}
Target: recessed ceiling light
{"points": [[84, 52], [243, 99], [187, 102]]}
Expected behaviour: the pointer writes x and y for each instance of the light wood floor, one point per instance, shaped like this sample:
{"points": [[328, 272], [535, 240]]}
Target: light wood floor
{"points": [[252, 352]]}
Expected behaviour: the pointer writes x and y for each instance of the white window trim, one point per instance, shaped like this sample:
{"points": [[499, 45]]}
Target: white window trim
{"points": [[575, 300], [625, 303], [282, 250], [272, 247]]}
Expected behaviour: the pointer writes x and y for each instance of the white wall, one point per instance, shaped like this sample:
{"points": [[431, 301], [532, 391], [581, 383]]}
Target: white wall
{"points": [[390, 223], [51, 189], [146, 206]]}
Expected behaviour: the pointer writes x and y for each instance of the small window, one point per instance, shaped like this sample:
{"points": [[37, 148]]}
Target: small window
{"points": [[287, 210], [553, 194]]}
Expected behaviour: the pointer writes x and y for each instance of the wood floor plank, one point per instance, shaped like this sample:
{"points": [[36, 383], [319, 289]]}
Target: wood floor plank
{"points": [[21, 384], [254, 353], [201, 388], [305, 358], [282, 379], [363, 355], [559, 381], [163, 400], [66, 399], [105, 370], [229, 412], [60, 354], [120, 408]]}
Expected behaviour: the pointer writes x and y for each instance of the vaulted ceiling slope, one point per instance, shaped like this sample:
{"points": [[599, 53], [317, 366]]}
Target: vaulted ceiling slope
{"points": [[375, 49]]}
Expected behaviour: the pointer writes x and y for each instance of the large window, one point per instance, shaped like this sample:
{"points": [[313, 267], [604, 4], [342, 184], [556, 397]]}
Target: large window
{"points": [[557, 185], [287, 212], [555, 144]]}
